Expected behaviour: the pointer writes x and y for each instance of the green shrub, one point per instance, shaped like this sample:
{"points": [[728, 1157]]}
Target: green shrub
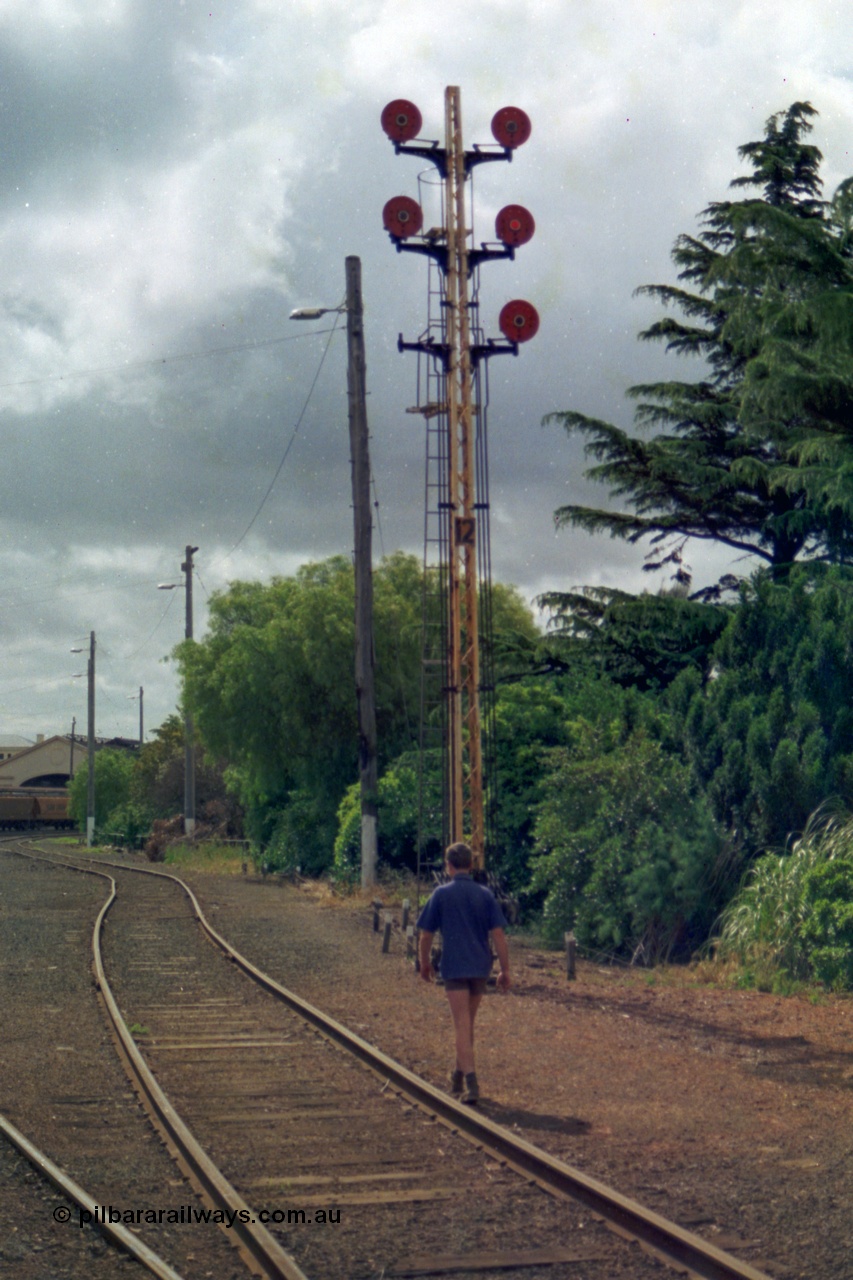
{"points": [[827, 928], [298, 836], [129, 825], [793, 916], [761, 926], [397, 824], [626, 849], [113, 777]]}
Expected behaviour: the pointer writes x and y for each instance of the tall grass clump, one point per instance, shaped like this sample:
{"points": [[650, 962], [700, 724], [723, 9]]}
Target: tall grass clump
{"points": [[779, 924], [207, 856]]}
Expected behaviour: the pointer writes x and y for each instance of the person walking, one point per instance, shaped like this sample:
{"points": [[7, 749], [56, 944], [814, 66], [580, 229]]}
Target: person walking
{"points": [[467, 916]]}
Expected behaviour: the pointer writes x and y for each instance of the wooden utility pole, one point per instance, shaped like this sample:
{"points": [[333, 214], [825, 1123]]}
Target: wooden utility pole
{"points": [[189, 746], [363, 555], [90, 789]]}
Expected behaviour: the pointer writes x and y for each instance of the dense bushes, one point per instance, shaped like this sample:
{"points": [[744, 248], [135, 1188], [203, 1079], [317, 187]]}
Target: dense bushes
{"points": [[113, 777], [135, 789], [648, 819], [627, 812], [793, 917], [627, 850], [771, 735], [397, 827], [827, 927], [271, 690]]}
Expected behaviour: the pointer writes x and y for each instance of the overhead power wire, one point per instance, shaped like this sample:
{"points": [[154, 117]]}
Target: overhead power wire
{"points": [[376, 510], [44, 683], [290, 443], [153, 633], [191, 356], [159, 361], [28, 601]]}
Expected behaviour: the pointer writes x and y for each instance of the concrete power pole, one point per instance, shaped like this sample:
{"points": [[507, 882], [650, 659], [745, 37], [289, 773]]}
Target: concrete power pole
{"points": [[189, 748], [364, 656]]}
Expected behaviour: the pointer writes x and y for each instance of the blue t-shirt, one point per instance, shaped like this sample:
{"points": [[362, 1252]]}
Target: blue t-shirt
{"points": [[464, 913]]}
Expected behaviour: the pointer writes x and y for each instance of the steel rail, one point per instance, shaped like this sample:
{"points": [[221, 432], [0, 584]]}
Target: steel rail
{"points": [[259, 1246], [116, 1232], [674, 1245], [258, 1243]]}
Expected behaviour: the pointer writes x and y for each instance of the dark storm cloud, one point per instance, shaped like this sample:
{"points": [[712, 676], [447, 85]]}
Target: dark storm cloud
{"points": [[175, 179], [79, 100]]}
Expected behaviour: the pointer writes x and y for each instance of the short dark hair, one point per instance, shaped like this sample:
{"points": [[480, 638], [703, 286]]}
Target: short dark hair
{"points": [[459, 856]]}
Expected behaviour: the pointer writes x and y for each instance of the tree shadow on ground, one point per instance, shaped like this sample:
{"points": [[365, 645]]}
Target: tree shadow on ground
{"points": [[787, 1059], [518, 1117]]}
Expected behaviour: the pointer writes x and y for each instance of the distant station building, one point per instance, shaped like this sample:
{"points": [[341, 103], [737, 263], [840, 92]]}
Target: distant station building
{"points": [[11, 744], [48, 762]]}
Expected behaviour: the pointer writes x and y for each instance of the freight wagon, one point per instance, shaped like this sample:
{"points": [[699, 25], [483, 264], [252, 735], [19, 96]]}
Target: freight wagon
{"points": [[28, 810]]}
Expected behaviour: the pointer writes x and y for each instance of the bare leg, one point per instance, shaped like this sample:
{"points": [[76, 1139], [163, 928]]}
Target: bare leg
{"points": [[463, 1026], [474, 1003]]}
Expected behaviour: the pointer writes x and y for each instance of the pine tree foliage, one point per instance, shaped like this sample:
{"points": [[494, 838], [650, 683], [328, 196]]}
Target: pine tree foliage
{"points": [[770, 736], [762, 298], [803, 371], [642, 641]]}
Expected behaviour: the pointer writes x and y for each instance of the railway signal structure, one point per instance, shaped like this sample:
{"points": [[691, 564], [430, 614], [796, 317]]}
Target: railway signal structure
{"points": [[453, 355]]}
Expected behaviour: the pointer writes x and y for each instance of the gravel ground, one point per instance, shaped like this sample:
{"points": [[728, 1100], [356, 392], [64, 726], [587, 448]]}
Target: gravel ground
{"points": [[62, 1085], [34, 1244], [282, 1133], [299, 1125], [728, 1111]]}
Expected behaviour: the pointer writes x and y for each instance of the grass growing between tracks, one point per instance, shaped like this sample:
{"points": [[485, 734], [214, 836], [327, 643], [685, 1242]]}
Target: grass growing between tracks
{"points": [[214, 858]]}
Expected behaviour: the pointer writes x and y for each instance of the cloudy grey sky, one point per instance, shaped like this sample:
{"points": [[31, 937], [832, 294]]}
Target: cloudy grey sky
{"points": [[177, 177]]}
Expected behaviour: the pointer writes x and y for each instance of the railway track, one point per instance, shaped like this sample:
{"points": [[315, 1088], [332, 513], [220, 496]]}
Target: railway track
{"points": [[40, 1202], [63, 1087], [353, 1186]]}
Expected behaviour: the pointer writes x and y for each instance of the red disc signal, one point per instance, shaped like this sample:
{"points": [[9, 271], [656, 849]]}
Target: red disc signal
{"points": [[511, 127], [402, 217], [401, 120], [514, 225], [519, 321]]}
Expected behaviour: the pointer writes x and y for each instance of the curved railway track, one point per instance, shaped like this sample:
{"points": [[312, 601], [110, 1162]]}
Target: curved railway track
{"points": [[297, 1129]]}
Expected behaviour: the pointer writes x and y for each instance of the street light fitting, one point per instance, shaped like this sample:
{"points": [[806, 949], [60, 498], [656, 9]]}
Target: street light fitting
{"points": [[314, 313], [167, 586]]}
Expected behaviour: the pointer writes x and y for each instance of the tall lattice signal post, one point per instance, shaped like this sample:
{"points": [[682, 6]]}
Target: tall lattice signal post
{"points": [[453, 398]]}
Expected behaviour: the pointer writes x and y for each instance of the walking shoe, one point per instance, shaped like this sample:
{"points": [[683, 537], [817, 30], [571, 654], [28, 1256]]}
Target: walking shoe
{"points": [[457, 1082], [471, 1096]]}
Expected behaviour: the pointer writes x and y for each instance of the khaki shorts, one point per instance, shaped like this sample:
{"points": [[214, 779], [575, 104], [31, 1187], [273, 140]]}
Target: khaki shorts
{"points": [[477, 986]]}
